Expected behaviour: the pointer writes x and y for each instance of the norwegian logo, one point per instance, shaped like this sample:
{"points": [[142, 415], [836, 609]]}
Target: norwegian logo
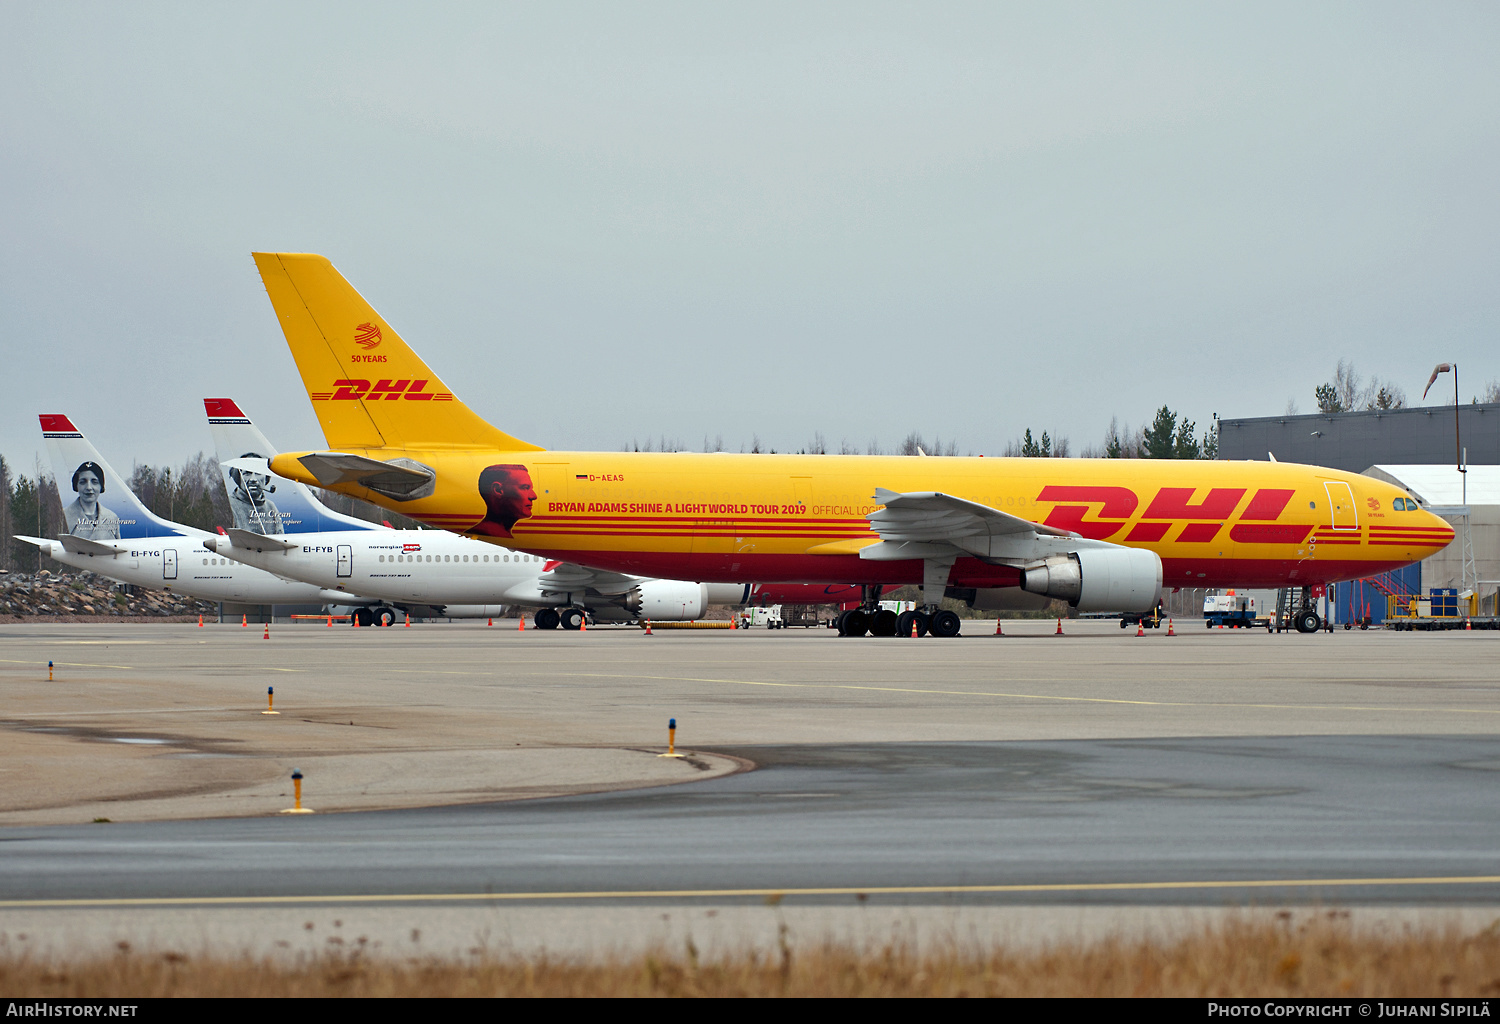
{"points": [[407, 549], [367, 336]]}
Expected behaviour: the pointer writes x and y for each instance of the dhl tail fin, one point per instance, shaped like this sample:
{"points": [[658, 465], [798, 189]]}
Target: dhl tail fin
{"points": [[368, 388]]}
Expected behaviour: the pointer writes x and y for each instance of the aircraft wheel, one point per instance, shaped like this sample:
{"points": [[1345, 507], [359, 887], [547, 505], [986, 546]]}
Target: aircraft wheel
{"points": [[571, 618], [385, 617], [1308, 622], [545, 618], [855, 623], [884, 622], [946, 623]]}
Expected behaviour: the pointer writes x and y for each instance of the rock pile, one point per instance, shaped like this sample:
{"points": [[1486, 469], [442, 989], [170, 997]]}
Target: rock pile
{"points": [[82, 593]]}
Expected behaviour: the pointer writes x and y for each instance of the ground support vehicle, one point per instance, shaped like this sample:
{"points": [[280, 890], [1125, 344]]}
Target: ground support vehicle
{"points": [[1231, 611]]}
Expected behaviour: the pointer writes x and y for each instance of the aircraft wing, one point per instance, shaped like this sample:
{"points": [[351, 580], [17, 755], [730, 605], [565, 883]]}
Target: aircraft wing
{"points": [[401, 479], [82, 546], [570, 577], [931, 524]]}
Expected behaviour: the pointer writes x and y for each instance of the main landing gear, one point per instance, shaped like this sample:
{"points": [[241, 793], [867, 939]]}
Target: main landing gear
{"points": [[379, 616], [870, 618], [551, 618]]}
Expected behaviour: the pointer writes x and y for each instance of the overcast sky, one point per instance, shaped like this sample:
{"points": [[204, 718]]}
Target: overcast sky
{"points": [[603, 222]]}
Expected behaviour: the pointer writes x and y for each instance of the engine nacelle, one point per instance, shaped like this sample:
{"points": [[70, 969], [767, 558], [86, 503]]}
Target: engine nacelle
{"points": [[668, 600], [1099, 579], [1000, 599]]}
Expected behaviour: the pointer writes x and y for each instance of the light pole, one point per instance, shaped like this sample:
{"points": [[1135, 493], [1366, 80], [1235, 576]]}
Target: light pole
{"points": [[1463, 471], [1458, 447]]}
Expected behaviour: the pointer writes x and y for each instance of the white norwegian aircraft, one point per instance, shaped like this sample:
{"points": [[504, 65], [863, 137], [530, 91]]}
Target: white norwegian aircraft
{"points": [[112, 533], [292, 534]]}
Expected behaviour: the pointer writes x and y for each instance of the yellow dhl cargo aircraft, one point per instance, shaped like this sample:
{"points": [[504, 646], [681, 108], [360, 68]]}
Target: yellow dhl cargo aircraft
{"points": [[1102, 534]]}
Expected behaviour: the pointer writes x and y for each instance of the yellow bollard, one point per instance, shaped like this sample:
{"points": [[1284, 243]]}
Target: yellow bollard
{"points": [[297, 788], [671, 739], [270, 702]]}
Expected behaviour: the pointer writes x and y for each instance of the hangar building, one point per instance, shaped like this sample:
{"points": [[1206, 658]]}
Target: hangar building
{"points": [[1355, 441]]}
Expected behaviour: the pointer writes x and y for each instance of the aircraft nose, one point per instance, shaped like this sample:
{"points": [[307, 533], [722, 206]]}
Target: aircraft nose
{"points": [[1440, 532]]}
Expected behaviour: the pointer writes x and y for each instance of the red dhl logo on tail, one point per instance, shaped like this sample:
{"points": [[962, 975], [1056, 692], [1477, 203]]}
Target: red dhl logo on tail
{"points": [[1173, 505], [355, 390], [367, 336]]}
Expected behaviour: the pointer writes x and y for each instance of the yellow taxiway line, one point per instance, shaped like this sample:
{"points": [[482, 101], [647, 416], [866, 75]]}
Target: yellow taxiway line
{"points": [[660, 894]]}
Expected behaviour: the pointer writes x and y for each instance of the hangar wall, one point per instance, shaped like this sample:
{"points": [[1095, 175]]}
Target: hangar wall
{"points": [[1354, 441]]}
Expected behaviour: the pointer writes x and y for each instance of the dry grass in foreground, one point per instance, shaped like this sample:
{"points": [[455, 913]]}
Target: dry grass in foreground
{"points": [[1321, 956]]}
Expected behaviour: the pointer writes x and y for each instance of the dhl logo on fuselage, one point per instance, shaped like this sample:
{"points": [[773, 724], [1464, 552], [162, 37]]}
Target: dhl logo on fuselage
{"points": [[1172, 505], [356, 390]]}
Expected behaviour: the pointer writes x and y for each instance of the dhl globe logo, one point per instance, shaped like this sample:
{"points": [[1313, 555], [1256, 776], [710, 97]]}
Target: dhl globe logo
{"points": [[367, 336]]}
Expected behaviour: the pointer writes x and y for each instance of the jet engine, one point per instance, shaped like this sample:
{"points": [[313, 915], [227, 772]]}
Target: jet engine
{"points": [[667, 600], [1098, 579]]}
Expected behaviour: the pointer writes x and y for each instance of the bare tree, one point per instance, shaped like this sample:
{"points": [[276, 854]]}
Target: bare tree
{"points": [[1491, 392]]}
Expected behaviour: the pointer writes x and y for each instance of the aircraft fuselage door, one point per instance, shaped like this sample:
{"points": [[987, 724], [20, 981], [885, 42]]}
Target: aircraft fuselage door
{"points": [[1341, 505], [169, 563], [346, 562]]}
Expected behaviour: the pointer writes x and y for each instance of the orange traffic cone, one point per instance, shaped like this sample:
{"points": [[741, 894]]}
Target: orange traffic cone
{"points": [[648, 627], [490, 621], [1140, 629], [354, 619], [330, 622], [200, 621], [244, 620], [1468, 623], [408, 620], [1170, 630], [914, 626], [1059, 628], [267, 634], [732, 622], [997, 628], [583, 623], [522, 626]]}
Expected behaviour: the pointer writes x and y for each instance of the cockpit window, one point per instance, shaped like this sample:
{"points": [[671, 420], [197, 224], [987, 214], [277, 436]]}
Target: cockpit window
{"points": [[1399, 504]]}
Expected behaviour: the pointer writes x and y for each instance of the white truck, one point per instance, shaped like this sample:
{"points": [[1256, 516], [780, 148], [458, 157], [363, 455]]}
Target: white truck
{"points": [[1229, 609]]}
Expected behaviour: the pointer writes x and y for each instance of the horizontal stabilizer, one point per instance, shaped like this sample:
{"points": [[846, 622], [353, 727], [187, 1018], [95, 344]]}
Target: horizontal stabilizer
{"points": [[258, 541], [83, 546], [400, 479]]}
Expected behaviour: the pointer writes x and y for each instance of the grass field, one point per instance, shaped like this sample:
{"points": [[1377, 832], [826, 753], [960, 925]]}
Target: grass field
{"points": [[1305, 955]]}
